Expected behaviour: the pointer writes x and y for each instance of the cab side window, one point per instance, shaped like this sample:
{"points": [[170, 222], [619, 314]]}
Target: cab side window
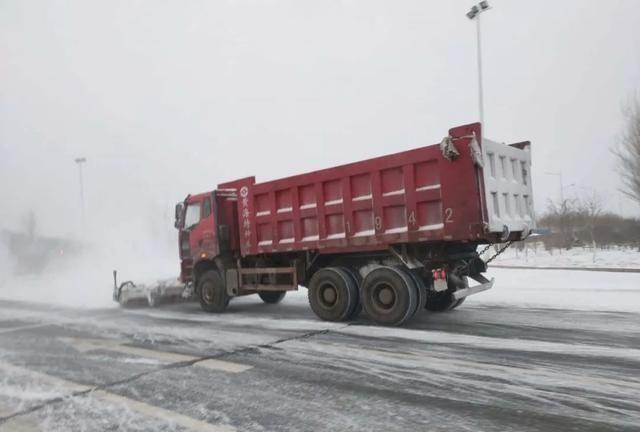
{"points": [[206, 208]]}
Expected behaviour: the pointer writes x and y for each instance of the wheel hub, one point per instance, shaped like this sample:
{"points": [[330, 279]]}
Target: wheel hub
{"points": [[329, 295], [384, 297], [207, 292]]}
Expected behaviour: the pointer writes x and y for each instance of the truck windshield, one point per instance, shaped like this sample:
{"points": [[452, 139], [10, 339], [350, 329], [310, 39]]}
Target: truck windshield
{"points": [[192, 216]]}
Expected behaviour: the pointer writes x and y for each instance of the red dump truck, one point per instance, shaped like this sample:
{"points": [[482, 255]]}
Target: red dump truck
{"points": [[393, 235]]}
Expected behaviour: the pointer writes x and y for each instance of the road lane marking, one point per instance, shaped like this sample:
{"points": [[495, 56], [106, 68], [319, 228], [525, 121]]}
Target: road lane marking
{"points": [[25, 327], [59, 383], [224, 366], [21, 424], [87, 345], [4, 411], [157, 412], [84, 345], [17, 424]]}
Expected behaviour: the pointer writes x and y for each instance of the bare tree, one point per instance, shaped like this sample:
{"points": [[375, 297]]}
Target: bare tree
{"points": [[628, 152], [590, 208], [562, 216]]}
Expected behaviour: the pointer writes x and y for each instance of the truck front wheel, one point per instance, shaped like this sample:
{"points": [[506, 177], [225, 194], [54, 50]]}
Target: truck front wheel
{"points": [[211, 292], [333, 294]]}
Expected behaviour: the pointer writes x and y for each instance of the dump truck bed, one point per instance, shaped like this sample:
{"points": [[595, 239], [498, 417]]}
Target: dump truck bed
{"points": [[459, 190]]}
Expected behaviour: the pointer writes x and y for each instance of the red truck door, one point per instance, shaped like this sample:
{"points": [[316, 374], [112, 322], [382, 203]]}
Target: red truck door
{"points": [[199, 221]]}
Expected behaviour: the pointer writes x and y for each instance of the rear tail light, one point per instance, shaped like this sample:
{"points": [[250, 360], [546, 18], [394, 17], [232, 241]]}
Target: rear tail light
{"points": [[439, 274], [439, 280]]}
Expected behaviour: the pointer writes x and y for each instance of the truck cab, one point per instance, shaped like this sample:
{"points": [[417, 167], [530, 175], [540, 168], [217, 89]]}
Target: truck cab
{"points": [[196, 226], [203, 222]]}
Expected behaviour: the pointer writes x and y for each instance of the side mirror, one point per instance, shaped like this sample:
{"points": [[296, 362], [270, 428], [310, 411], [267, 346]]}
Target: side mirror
{"points": [[179, 216]]}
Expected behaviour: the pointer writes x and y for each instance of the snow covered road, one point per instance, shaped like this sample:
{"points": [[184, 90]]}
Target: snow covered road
{"points": [[544, 350]]}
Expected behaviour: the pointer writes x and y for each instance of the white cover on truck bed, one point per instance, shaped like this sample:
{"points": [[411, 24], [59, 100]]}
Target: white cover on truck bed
{"points": [[507, 182]]}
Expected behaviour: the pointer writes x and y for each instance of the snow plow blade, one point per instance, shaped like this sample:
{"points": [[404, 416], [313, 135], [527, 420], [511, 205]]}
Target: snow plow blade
{"points": [[163, 291], [485, 284]]}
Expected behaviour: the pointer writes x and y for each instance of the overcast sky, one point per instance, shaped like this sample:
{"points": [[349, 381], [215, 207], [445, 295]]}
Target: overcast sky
{"points": [[165, 98]]}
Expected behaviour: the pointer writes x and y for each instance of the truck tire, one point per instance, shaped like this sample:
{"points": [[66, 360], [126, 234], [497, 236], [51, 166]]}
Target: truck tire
{"points": [[445, 301], [389, 296], [357, 279], [333, 295], [422, 291], [440, 302], [212, 293], [458, 303], [272, 297]]}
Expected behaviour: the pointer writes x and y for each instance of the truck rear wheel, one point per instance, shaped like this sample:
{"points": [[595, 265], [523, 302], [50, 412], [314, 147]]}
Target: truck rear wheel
{"points": [[212, 292], [440, 302], [272, 297], [357, 279], [458, 303], [422, 291], [333, 294], [389, 295]]}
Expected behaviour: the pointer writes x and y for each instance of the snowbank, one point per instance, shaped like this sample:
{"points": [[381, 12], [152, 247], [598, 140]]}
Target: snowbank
{"points": [[576, 257], [562, 289]]}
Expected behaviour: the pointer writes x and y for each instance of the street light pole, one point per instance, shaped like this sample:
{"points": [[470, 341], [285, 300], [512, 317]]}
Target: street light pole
{"points": [[79, 161], [480, 89], [474, 14]]}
